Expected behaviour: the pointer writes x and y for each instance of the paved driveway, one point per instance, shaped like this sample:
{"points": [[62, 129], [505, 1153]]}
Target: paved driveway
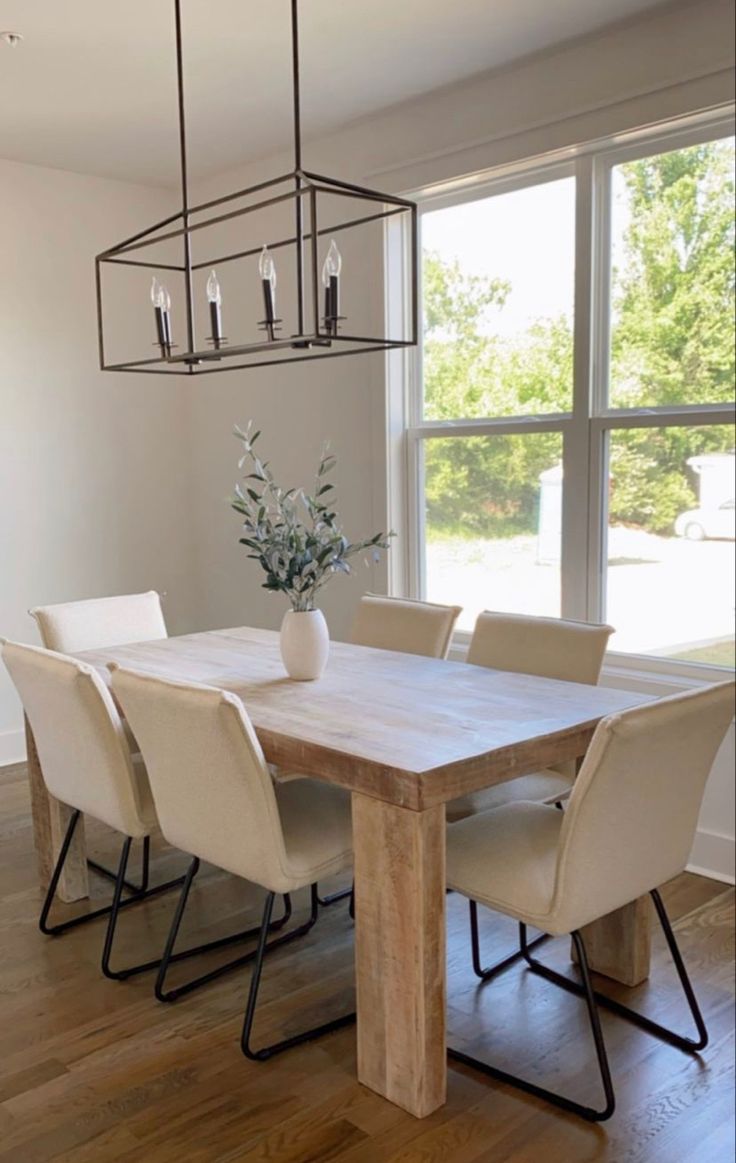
{"points": [[666, 595]]}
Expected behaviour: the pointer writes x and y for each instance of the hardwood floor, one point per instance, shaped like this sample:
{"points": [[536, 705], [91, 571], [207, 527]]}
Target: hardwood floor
{"points": [[95, 1071]]}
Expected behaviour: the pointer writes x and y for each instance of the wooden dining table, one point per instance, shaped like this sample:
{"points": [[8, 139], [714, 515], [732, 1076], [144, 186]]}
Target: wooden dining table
{"points": [[404, 735]]}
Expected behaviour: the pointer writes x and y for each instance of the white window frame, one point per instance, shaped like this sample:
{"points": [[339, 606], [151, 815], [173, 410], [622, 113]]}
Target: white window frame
{"points": [[585, 429]]}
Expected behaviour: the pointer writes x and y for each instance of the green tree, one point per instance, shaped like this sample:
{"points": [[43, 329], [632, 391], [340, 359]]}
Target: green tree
{"points": [[672, 342], [673, 294], [485, 485]]}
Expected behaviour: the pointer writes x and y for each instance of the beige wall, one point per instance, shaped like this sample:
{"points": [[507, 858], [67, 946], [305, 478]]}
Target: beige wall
{"points": [[94, 469]]}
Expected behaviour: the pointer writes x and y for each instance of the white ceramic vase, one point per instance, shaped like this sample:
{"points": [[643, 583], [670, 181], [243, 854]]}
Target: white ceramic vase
{"points": [[305, 644]]}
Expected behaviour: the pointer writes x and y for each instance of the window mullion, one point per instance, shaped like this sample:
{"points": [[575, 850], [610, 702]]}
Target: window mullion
{"points": [[597, 574], [575, 504], [504, 426], [685, 416]]}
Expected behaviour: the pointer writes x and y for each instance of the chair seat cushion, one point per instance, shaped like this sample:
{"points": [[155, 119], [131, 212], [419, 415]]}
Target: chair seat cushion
{"points": [[546, 786], [317, 824], [507, 859]]}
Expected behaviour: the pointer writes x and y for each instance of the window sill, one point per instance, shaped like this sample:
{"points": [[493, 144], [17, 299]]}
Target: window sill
{"points": [[633, 672]]}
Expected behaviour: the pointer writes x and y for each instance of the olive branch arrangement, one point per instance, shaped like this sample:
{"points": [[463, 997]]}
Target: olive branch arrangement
{"points": [[295, 536]]}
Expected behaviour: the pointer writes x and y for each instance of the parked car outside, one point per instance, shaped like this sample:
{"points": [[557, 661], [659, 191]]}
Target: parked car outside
{"points": [[699, 524]]}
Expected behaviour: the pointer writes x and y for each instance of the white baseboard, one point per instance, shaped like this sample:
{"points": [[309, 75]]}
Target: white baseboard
{"points": [[12, 747], [713, 855]]}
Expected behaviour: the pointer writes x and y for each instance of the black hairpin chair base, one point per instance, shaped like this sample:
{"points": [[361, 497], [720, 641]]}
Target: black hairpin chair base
{"points": [[169, 957], [689, 1045], [487, 973], [139, 893], [593, 999], [266, 946], [591, 1114], [118, 904], [111, 874]]}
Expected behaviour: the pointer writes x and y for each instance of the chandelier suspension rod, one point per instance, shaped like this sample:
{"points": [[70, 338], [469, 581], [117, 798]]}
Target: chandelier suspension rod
{"points": [[188, 287], [296, 86], [299, 209]]}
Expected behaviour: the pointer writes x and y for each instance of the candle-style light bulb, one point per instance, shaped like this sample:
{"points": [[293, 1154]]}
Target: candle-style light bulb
{"points": [[333, 264], [214, 297], [161, 300], [214, 294], [331, 283], [157, 293], [267, 268], [267, 271]]}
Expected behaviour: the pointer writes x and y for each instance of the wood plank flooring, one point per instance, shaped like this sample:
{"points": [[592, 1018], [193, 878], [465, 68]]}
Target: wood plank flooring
{"points": [[94, 1071]]}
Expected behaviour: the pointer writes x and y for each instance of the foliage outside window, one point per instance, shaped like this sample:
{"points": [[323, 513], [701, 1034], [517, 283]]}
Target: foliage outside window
{"points": [[670, 387], [672, 339]]}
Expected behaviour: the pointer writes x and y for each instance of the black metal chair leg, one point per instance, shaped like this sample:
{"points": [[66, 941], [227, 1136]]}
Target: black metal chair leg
{"points": [[142, 892], [174, 930], [129, 886], [264, 947], [146, 864], [118, 905], [53, 930], [333, 897], [169, 957], [689, 1045], [489, 972], [595, 1026], [115, 909], [590, 1114]]}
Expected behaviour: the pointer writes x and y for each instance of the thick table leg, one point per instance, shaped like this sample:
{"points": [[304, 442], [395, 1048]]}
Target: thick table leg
{"points": [[50, 820], [619, 945], [400, 952]]}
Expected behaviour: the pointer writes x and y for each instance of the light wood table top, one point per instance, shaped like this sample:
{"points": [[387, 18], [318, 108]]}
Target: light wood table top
{"points": [[409, 730]]}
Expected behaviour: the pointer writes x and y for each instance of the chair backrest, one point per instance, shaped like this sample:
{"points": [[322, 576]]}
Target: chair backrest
{"points": [[407, 626], [632, 814], [72, 627], [212, 789], [548, 647], [79, 736]]}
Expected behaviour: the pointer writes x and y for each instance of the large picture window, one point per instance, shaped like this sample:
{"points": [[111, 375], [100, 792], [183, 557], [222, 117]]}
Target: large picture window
{"points": [[571, 438]]}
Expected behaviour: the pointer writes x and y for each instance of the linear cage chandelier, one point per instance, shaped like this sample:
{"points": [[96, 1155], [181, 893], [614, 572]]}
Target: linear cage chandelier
{"points": [[260, 262]]}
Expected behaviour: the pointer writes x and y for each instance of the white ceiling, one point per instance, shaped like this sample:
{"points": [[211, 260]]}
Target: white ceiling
{"points": [[92, 88]]}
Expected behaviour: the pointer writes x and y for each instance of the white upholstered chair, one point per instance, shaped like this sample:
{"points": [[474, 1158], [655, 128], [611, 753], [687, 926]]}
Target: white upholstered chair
{"points": [[72, 627], [87, 765], [216, 799], [549, 648], [96, 623], [406, 626], [628, 828]]}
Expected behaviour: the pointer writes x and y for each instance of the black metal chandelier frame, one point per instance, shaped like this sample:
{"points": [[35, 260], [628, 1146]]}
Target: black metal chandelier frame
{"points": [[321, 340]]}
